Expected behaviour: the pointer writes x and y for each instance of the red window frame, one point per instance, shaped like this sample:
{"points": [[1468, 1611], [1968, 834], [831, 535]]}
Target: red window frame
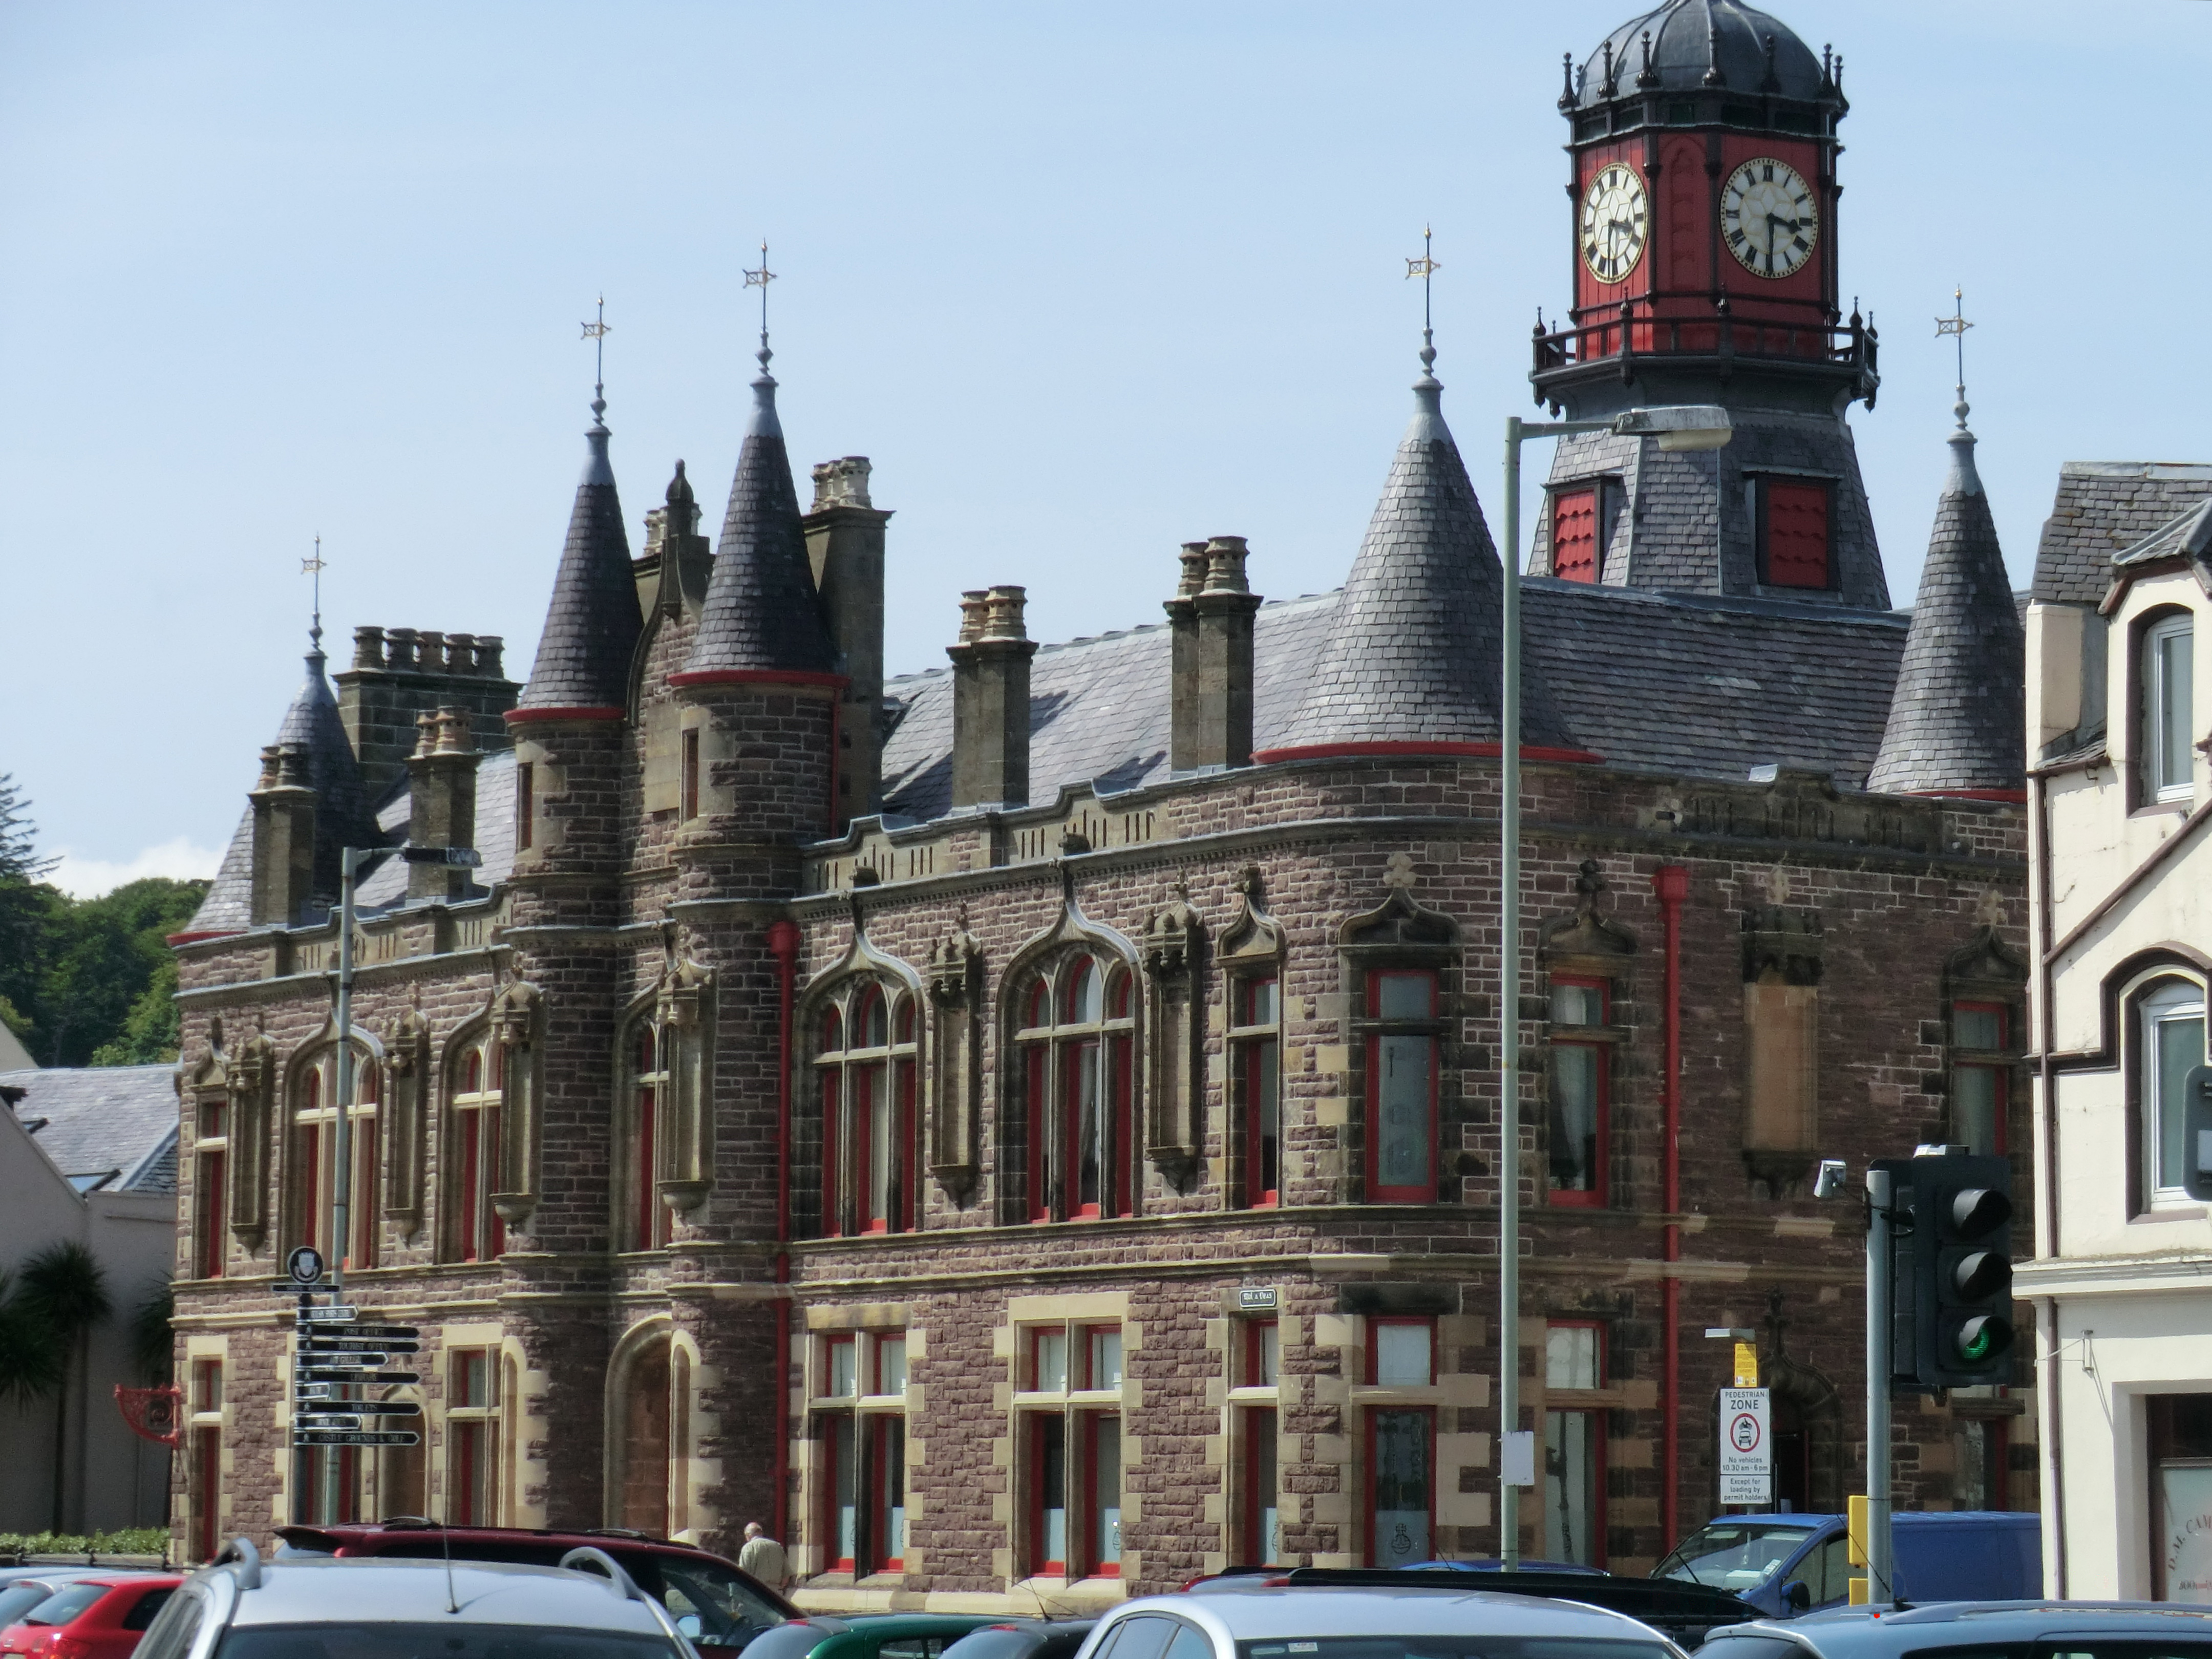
{"points": [[207, 1461], [2000, 1078], [1120, 1101], [1797, 533], [1047, 1432], [876, 1361], [470, 1452], [484, 1236], [1086, 1548], [903, 1081], [841, 1451], [1037, 1085], [831, 1347], [654, 1223], [1033, 1365], [1373, 1419], [1259, 1192], [1577, 555], [1261, 1455], [886, 1484], [1375, 1324], [210, 1254], [1405, 1192], [1599, 1501], [1255, 1336], [369, 1091], [1602, 1068], [1089, 1368]]}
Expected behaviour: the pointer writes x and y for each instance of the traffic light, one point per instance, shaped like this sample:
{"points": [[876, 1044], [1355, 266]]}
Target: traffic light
{"points": [[1959, 1276]]}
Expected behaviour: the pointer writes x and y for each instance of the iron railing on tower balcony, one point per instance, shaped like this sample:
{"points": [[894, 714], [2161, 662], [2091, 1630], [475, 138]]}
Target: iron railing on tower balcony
{"points": [[1721, 336]]}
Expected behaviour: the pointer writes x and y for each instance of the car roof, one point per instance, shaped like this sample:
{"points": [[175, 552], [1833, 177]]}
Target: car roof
{"points": [[1879, 1629], [388, 1591], [613, 1540], [1246, 1612]]}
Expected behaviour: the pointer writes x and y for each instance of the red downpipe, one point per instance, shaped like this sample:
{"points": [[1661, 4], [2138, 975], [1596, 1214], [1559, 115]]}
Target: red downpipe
{"points": [[783, 940], [1671, 882]]}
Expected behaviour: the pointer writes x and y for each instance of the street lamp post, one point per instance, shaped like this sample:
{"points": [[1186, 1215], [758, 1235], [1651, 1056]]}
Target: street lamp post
{"points": [[1690, 427]]}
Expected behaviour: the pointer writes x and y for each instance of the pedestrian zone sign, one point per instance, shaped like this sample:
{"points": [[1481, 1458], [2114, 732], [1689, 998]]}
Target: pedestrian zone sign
{"points": [[1746, 1448]]}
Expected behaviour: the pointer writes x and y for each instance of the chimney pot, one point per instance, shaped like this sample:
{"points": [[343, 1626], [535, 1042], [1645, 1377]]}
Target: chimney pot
{"points": [[1194, 570], [991, 700], [368, 647], [431, 650], [399, 647], [973, 604], [841, 483], [1004, 619], [1225, 565], [1210, 658], [488, 647], [426, 734]]}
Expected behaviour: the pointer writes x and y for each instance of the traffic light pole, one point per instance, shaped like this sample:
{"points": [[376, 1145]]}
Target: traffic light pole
{"points": [[1879, 1270]]}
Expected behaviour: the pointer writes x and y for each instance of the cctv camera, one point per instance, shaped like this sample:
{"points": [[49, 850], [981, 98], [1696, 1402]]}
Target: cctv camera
{"points": [[1830, 1182]]}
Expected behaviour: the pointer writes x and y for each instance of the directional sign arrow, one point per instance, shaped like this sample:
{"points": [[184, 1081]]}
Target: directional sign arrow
{"points": [[364, 1360], [366, 1344], [380, 1331], [340, 1314], [324, 1420], [288, 1288], [377, 1407], [357, 1437], [353, 1374]]}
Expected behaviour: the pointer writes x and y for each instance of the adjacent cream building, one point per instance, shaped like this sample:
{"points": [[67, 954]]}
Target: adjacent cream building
{"points": [[2122, 888]]}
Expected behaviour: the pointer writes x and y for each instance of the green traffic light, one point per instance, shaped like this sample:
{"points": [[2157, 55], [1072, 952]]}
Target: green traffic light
{"points": [[1983, 1337]]}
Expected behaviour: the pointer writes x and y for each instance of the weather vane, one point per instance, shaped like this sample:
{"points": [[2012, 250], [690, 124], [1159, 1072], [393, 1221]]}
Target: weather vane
{"points": [[1424, 268], [760, 279], [1956, 325], [596, 333], [313, 565]]}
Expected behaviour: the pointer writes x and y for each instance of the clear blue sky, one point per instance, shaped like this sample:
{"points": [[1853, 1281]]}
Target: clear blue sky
{"points": [[1084, 281]]}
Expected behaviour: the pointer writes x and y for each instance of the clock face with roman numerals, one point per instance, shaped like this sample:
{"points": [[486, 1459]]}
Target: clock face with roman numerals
{"points": [[1616, 222], [1768, 218]]}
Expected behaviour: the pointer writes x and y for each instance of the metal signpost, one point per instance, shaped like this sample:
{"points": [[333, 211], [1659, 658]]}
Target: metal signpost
{"points": [[1746, 1448]]}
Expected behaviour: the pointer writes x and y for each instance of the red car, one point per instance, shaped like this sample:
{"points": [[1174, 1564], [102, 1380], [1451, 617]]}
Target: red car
{"points": [[719, 1607], [92, 1616]]}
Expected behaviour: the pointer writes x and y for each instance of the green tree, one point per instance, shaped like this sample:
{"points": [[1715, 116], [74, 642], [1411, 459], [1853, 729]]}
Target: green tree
{"points": [[152, 1342], [31, 1363], [151, 1030], [64, 1289]]}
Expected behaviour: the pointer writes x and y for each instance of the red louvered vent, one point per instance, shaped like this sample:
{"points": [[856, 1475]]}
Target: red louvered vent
{"points": [[1796, 535], [1574, 535]]}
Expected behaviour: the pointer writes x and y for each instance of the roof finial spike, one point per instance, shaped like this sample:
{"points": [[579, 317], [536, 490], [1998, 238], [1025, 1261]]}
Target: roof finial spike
{"points": [[760, 279], [1828, 66], [596, 333], [1956, 325], [1424, 268], [1567, 85], [1611, 84], [1647, 76], [1772, 82], [313, 566], [1714, 77]]}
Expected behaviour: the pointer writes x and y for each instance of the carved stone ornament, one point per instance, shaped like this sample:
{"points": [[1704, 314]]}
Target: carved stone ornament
{"points": [[514, 1015], [1401, 926], [1586, 932], [1168, 940], [953, 964], [407, 1062], [1252, 933], [1784, 940], [253, 1084]]}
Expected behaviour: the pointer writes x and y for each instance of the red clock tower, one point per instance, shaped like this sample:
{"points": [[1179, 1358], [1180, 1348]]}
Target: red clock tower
{"points": [[1705, 268]]}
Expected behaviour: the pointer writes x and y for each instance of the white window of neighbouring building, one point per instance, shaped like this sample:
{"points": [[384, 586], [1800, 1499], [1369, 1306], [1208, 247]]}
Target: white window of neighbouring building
{"points": [[2166, 729], [2170, 1031]]}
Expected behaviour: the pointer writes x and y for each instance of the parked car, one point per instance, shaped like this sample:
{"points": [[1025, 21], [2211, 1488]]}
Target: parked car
{"points": [[19, 1596], [243, 1607], [1430, 1619], [1492, 1563], [1978, 1630], [1024, 1639], [874, 1636], [1961, 1555], [718, 1606], [90, 1615]]}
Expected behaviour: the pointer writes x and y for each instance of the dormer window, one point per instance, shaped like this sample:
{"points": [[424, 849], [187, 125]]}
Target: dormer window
{"points": [[1793, 517], [2165, 728], [1578, 534]]}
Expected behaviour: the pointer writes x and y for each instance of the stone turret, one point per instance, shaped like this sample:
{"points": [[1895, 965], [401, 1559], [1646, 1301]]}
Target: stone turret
{"points": [[844, 543], [991, 700], [1210, 620]]}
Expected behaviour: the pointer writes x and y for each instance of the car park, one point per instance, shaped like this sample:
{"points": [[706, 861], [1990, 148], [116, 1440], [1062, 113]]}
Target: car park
{"points": [[1024, 1639], [718, 1606], [1978, 1630], [89, 1616], [1340, 1619], [873, 1636], [1958, 1555], [243, 1607]]}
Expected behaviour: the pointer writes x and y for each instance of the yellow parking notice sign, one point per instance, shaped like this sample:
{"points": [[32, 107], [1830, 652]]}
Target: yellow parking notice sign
{"points": [[1855, 1524], [1746, 1365], [1859, 1597]]}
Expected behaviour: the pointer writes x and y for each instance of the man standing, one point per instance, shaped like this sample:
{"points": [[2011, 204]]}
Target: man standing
{"points": [[764, 1558]]}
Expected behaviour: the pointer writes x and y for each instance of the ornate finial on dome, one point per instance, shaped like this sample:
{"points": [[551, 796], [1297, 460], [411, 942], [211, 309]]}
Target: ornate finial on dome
{"points": [[1611, 83], [1647, 76], [1956, 325], [313, 566], [760, 279], [1714, 77], [1771, 83], [1567, 80], [1828, 67], [1424, 268], [596, 333], [1839, 74]]}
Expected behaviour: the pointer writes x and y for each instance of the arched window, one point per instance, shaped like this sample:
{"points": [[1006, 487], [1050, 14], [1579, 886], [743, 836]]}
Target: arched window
{"points": [[1077, 1074], [651, 1222], [643, 1494], [864, 1066], [2169, 1032], [475, 1084], [2165, 725], [314, 1156]]}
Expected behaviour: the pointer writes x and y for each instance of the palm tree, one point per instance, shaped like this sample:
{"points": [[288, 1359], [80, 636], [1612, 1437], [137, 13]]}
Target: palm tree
{"points": [[31, 1364], [64, 1289]]}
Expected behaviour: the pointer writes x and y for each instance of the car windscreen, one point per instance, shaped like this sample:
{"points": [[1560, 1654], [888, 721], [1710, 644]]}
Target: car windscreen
{"points": [[1734, 1555], [355, 1639], [19, 1598], [988, 1643], [65, 1603], [710, 1602], [1448, 1647]]}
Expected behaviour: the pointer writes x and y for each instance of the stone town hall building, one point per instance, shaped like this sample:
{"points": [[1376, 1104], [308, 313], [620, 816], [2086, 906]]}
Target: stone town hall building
{"points": [[1030, 1129]]}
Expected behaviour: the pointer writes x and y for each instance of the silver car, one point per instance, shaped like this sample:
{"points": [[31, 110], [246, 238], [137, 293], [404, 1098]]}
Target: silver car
{"points": [[1270, 1621], [242, 1608]]}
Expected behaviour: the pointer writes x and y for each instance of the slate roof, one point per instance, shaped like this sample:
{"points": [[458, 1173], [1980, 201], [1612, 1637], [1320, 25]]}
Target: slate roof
{"points": [[761, 613], [1701, 685], [2103, 509], [1411, 655], [342, 813], [592, 620], [103, 1118], [1691, 38], [1958, 718]]}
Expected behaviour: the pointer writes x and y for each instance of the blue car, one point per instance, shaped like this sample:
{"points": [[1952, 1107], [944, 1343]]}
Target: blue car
{"points": [[1971, 1630], [1787, 1565]]}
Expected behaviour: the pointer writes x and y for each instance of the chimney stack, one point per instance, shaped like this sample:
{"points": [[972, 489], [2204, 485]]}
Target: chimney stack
{"points": [[845, 546], [442, 799], [991, 700], [1211, 621], [283, 837]]}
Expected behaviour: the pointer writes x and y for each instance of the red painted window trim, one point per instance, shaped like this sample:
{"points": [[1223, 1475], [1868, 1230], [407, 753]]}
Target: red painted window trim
{"points": [[1601, 1053], [1084, 1548], [207, 1515], [1251, 1377], [2003, 1081], [1589, 567], [1371, 1415], [839, 1433], [1375, 1321], [1259, 1420], [1377, 1193], [1040, 1564], [1794, 490], [881, 1466], [1258, 1194]]}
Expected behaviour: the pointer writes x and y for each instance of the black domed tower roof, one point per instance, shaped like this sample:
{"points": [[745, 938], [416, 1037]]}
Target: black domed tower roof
{"points": [[1700, 45]]}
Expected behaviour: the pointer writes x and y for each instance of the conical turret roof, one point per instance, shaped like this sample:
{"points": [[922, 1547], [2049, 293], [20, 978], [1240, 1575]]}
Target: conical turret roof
{"points": [[1958, 719], [593, 622], [1414, 660], [762, 617], [343, 818]]}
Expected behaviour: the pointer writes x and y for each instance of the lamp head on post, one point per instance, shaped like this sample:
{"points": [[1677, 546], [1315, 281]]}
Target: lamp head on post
{"points": [[1678, 426]]}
